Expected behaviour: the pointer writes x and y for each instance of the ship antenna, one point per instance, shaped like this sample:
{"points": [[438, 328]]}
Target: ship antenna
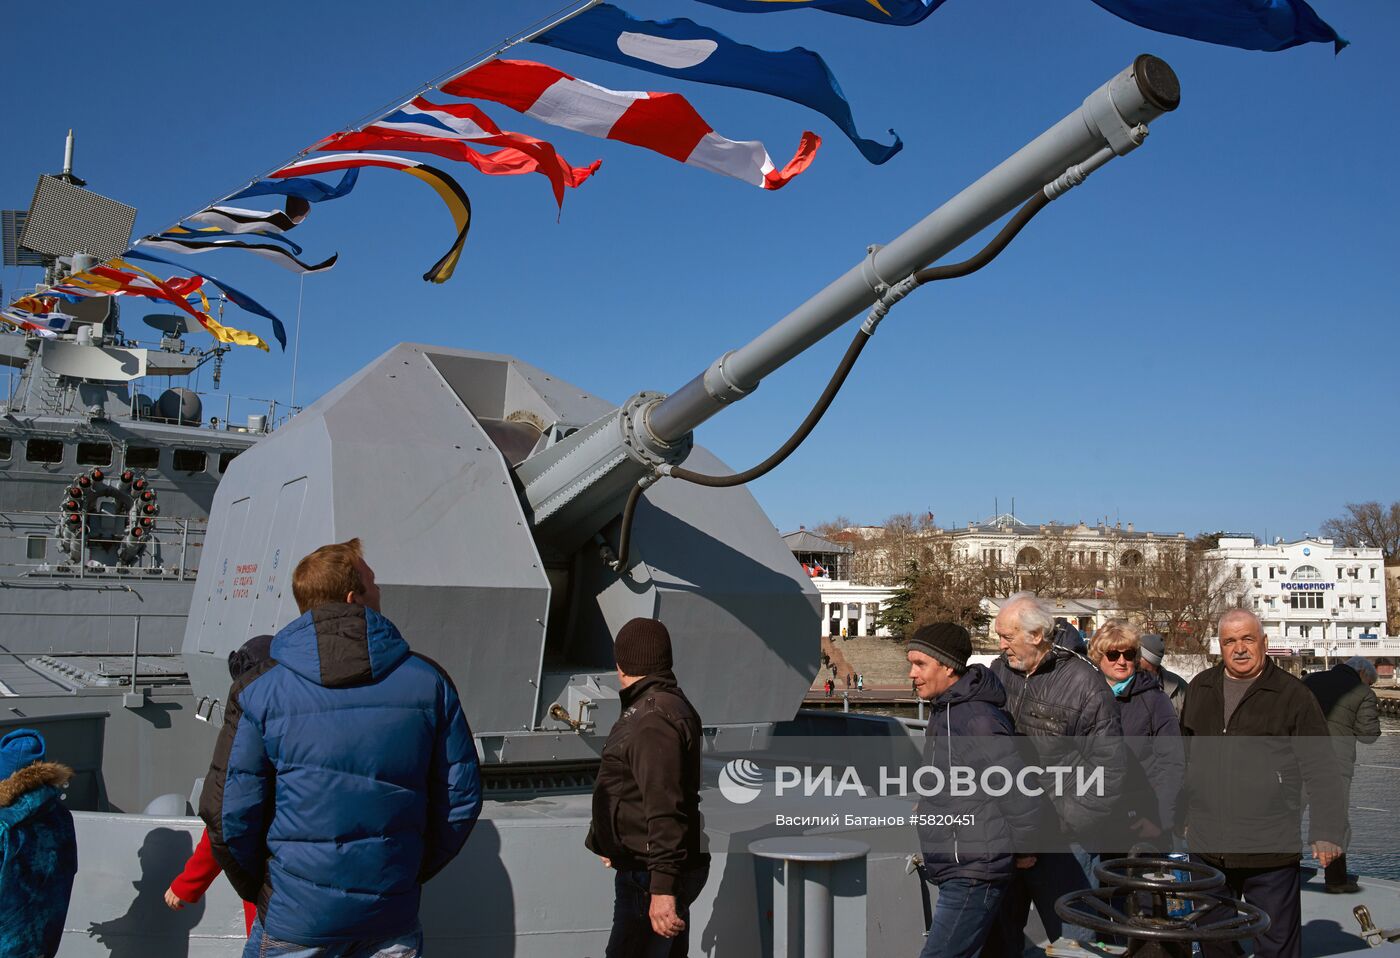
{"points": [[67, 174]]}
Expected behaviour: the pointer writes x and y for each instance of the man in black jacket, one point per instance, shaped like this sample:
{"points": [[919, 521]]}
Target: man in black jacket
{"points": [[646, 802], [1257, 738], [1062, 704], [1349, 705]]}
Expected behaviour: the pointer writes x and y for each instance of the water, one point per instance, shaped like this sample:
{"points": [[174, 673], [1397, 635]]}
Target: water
{"points": [[1375, 795]]}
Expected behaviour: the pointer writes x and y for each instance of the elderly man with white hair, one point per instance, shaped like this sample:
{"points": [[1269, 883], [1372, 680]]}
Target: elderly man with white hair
{"points": [[1063, 706], [1256, 740], [1349, 705]]}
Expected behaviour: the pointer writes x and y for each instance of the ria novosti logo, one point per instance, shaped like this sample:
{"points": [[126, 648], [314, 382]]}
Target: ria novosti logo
{"points": [[740, 781]]}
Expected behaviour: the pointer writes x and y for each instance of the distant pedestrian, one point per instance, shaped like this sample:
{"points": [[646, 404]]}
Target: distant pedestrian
{"points": [[828, 687], [850, 679], [1243, 801], [973, 864], [860, 682], [646, 801], [38, 848], [1154, 650], [377, 785], [190, 886], [1349, 705]]}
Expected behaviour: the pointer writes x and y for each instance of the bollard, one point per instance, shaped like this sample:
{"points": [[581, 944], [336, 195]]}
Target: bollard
{"points": [[845, 701], [802, 900]]}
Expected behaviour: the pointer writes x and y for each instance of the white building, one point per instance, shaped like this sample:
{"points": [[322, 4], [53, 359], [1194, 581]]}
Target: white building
{"points": [[1033, 553], [848, 610], [1315, 599]]}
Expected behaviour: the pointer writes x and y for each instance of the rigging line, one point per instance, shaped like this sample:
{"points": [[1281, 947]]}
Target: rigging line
{"points": [[531, 31], [296, 346]]}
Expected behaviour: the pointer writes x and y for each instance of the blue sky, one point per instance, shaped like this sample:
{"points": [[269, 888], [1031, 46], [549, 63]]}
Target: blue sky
{"points": [[1202, 337]]}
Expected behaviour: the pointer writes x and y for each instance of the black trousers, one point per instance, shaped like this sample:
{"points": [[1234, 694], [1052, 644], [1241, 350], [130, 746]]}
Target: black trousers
{"points": [[1274, 891], [632, 936]]}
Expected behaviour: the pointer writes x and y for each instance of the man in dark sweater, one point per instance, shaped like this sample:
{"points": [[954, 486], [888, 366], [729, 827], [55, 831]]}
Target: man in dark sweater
{"points": [[1256, 739], [646, 802]]}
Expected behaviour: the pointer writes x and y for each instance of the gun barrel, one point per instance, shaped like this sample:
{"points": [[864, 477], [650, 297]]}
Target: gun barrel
{"points": [[1112, 116]]}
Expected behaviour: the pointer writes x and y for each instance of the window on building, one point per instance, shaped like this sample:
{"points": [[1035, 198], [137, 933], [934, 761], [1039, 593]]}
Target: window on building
{"points": [[1256, 601], [224, 459], [44, 450], [1254, 572], [37, 547], [4, 448], [1271, 572], [141, 457], [1306, 573], [94, 454], [1305, 631], [1340, 572], [1373, 602], [1305, 600], [1373, 572], [1354, 572]]}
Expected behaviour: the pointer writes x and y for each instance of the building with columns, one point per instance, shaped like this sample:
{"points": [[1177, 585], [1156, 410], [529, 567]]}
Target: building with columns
{"points": [[848, 610], [1075, 558]]}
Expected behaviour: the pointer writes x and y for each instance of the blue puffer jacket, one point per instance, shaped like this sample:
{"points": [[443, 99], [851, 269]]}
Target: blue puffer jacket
{"points": [[968, 726], [38, 859], [344, 778]]}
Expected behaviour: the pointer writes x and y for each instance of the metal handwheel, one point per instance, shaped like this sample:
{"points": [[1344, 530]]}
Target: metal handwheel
{"points": [[1133, 904]]}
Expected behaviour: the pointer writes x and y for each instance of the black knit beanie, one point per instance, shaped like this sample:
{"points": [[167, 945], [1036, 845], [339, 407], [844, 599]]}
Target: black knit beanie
{"points": [[643, 647], [947, 642]]}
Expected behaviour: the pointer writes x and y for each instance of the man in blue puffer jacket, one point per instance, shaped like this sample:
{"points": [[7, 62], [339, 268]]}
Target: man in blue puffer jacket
{"points": [[345, 775], [968, 842]]}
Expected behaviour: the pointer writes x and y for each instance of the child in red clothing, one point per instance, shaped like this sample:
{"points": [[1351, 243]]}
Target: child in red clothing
{"points": [[191, 884], [201, 870]]}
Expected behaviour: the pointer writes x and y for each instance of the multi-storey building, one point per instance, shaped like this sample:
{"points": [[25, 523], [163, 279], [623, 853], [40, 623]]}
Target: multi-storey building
{"points": [[1315, 599], [1051, 556]]}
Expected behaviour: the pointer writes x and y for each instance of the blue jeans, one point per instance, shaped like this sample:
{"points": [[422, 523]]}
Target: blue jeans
{"points": [[964, 914], [261, 945], [632, 936]]}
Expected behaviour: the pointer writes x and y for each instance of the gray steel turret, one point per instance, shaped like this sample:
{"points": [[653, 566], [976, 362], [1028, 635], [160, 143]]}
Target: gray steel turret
{"points": [[480, 486]]}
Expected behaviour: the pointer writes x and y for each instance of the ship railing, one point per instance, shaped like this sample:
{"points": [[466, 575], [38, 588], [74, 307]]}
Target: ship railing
{"points": [[45, 558], [250, 415]]}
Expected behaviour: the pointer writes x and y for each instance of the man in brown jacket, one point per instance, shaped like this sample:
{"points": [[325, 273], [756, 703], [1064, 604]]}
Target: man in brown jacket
{"points": [[646, 801], [1255, 739]]}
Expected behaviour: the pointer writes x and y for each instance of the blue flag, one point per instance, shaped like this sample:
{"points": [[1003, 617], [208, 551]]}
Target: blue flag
{"points": [[237, 297], [682, 48], [300, 191], [1249, 24], [901, 13]]}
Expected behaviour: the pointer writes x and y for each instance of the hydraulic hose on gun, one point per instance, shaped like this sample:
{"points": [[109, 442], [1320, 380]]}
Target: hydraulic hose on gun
{"points": [[988, 253], [1013, 226]]}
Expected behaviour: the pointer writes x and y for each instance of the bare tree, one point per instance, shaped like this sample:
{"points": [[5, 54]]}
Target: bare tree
{"points": [[1368, 524], [832, 526], [1180, 594]]}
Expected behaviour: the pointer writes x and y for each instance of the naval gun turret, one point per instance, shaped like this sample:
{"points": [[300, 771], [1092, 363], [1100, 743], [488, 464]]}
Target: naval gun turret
{"points": [[503, 510]]}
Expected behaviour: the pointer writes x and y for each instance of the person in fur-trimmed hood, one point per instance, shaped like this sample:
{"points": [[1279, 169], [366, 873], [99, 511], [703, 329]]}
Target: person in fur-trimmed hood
{"points": [[38, 849]]}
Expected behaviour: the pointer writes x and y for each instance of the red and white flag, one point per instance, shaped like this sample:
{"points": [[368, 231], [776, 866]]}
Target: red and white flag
{"points": [[446, 130], [663, 122]]}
